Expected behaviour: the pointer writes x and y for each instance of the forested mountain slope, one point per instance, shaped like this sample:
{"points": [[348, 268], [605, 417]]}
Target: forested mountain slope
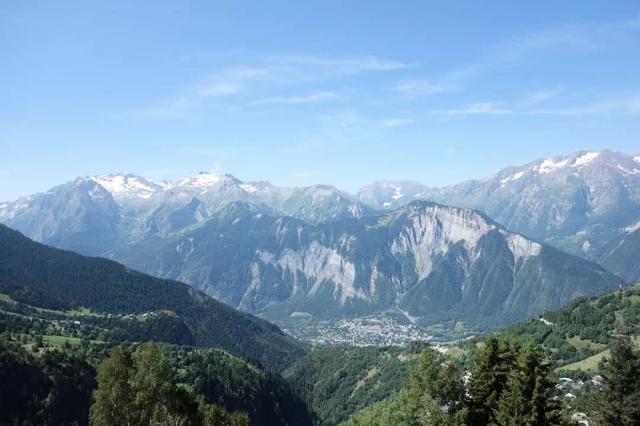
{"points": [[579, 335], [46, 277], [339, 381]]}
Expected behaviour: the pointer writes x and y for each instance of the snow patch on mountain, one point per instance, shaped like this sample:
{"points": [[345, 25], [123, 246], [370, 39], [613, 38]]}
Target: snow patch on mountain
{"points": [[632, 228], [3, 209], [511, 178], [126, 185], [548, 166], [248, 187], [97, 193], [636, 158], [585, 159], [628, 171], [202, 180], [397, 192]]}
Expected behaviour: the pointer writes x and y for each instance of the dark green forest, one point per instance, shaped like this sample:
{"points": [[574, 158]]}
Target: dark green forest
{"points": [[339, 381], [44, 384], [507, 384], [580, 334], [45, 277]]}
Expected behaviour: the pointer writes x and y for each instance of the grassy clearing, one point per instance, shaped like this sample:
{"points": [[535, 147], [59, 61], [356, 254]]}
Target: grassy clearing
{"points": [[82, 312], [73, 312], [587, 364], [6, 298], [58, 341], [370, 374], [634, 298], [580, 344], [456, 352]]}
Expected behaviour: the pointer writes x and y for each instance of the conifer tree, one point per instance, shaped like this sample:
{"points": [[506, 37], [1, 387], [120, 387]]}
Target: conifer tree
{"points": [[527, 400], [435, 392], [620, 403], [489, 374]]}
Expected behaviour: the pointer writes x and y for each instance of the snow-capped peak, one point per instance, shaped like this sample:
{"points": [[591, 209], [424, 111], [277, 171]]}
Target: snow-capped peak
{"points": [[120, 185], [549, 165], [636, 158], [202, 180], [511, 178], [248, 187], [585, 159], [577, 160]]}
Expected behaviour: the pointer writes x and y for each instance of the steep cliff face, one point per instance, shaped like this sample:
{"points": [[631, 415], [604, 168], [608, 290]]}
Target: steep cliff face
{"points": [[583, 203], [431, 261]]}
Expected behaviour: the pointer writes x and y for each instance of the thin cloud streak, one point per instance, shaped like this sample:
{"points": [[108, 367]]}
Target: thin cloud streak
{"points": [[583, 37], [271, 75], [629, 105], [312, 98], [485, 108], [395, 122], [421, 87], [539, 97]]}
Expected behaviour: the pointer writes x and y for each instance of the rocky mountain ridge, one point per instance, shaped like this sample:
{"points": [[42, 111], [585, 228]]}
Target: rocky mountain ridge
{"points": [[585, 203], [427, 261]]}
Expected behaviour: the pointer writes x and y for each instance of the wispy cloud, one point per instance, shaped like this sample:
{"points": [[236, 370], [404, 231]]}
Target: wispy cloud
{"points": [[630, 105], [487, 108], [395, 122], [311, 98], [421, 87], [264, 81], [539, 97], [345, 66], [624, 105], [574, 38]]}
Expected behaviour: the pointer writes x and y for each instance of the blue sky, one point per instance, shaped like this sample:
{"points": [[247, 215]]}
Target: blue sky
{"points": [[338, 92]]}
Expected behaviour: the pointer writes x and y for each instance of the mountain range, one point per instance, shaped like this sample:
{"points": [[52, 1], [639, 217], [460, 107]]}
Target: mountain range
{"points": [[319, 251], [586, 203], [94, 215]]}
